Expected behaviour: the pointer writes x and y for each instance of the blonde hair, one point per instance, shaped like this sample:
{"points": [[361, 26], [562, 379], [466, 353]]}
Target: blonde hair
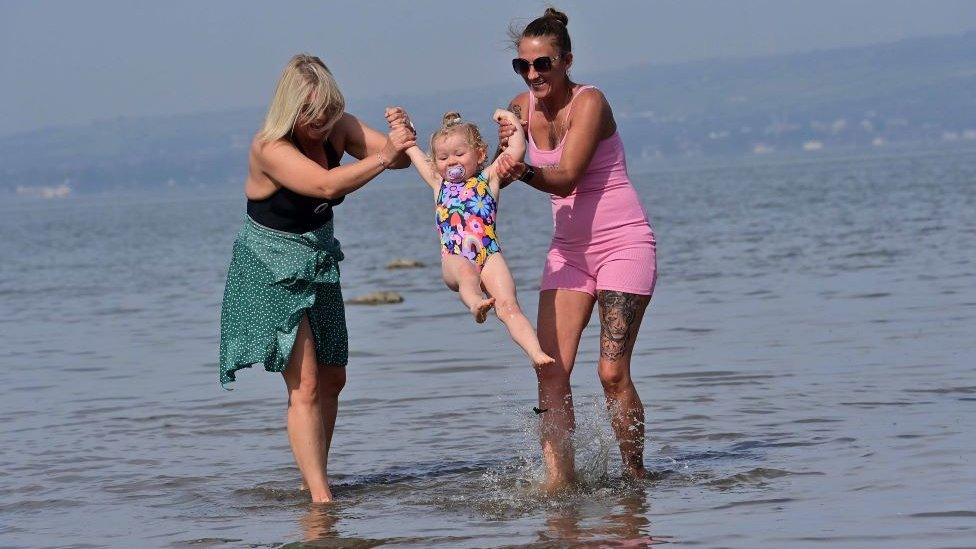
{"points": [[450, 123], [306, 90]]}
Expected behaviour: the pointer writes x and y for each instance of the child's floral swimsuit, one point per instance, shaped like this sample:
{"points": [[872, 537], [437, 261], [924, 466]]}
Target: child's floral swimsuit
{"points": [[465, 217]]}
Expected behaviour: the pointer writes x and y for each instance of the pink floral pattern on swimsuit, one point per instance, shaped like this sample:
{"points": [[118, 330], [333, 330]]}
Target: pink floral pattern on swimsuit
{"points": [[464, 213]]}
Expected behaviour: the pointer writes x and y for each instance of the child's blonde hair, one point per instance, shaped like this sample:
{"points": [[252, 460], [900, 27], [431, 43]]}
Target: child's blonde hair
{"points": [[452, 123], [305, 91]]}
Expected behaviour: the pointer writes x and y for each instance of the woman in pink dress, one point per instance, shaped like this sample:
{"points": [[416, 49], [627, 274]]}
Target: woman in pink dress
{"points": [[603, 248]]}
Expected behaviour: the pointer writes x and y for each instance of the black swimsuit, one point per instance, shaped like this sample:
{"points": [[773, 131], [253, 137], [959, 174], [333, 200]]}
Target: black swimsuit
{"points": [[286, 210]]}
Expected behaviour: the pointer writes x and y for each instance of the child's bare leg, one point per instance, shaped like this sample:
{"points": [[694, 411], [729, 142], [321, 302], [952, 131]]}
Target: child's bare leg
{"points": [[497, 281], [462, 276]]}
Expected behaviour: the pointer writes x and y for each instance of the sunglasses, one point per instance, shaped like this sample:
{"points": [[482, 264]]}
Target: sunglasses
{"points": [[541, 64]]}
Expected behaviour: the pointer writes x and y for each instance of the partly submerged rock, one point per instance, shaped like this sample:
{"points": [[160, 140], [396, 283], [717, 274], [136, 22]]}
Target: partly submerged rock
{"points": [[404, 264], [376, 298]]}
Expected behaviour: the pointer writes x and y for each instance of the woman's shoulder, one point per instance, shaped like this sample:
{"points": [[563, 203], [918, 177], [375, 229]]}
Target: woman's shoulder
{"points": [[350, 134], [520, 99], [346, 123], [588, 94], [591, 102], [519, 104], [261, 147]]}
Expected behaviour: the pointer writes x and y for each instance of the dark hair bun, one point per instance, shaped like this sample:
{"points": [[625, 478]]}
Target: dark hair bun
{"points": [[552, 24], [553, 13]]}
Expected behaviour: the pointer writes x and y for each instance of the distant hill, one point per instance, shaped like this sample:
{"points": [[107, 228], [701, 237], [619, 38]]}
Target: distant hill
{"points": [[917, 91], [912, 91]]}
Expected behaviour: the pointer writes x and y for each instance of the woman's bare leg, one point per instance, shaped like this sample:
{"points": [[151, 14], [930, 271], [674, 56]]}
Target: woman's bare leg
{"points": [[462, 276], [306, 425], [620, 319], [497, 281], [563, 314], [331, 381]]}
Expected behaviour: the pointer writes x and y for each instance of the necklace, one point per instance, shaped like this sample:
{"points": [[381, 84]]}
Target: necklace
{"points": [[554, 135]]}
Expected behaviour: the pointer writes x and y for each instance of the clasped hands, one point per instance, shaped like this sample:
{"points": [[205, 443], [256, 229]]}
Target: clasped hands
{"points": [[508, 168]]}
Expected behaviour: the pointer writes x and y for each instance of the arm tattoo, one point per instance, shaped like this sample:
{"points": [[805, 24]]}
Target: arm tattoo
{"points": [[516, 110], [618, 316]]}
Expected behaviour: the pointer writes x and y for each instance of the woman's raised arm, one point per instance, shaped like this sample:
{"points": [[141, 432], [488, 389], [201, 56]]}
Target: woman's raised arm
{"points": [[362, 141], [288, 167]]}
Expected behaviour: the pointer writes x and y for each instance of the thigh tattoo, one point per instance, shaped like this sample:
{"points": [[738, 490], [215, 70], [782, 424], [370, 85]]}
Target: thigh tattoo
{"points": [[618, 315]]}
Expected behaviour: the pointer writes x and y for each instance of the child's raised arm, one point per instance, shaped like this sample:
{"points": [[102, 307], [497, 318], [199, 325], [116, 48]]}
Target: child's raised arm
{"points": [[424, 167], [516, 143], [396, 116]]}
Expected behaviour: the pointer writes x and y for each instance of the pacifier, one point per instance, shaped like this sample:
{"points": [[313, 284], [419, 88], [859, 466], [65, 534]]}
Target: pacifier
{"points": [[455, 173]]}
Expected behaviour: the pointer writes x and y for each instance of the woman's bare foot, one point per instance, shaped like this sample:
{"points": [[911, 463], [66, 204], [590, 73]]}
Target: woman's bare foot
{"points": [[480, 311], [556, 486], [541, 359], [325, 497], [636, 473]]}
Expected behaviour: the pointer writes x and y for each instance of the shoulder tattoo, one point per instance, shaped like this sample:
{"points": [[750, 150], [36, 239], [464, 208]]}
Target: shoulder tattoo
{"points": [[516, 109]]}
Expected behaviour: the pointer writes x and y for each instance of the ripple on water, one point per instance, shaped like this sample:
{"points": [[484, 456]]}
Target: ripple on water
{"points": [[805, 366], [945, 514], [757, 477]]}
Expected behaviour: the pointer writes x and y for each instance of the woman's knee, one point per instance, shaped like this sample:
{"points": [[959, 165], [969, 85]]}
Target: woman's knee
{"points": [[305, 393], [552, 374], [613, 376], [331, 380]]}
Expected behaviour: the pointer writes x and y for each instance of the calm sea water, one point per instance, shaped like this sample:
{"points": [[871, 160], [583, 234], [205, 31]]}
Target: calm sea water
{"points": [[807, 366]]}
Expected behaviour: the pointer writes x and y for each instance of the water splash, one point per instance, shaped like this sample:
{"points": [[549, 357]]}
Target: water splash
{"points": [[515, 486]]}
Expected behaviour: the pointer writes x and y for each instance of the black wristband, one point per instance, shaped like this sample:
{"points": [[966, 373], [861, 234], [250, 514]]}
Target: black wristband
{"points": [[528, 174]]}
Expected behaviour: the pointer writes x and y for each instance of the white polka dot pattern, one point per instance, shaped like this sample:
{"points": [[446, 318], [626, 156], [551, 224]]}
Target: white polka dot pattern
{"points": [[274, 278]]}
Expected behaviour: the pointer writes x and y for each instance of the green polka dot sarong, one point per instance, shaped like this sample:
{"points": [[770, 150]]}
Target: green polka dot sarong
{"points": [[275, 278]]}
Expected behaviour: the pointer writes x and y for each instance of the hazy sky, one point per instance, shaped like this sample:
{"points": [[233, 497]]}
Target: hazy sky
{"points": [[70, 62]]}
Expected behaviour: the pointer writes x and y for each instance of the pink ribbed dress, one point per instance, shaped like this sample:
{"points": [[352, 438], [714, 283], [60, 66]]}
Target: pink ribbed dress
{"points": [[601, 237]]}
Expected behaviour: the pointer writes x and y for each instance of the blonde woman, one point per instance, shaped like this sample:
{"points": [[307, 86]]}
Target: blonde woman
{"points": [[282, 304]]}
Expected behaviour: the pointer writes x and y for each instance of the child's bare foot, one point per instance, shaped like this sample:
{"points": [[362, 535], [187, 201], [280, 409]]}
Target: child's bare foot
{"points": [[541, 359], [480, 311]]}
